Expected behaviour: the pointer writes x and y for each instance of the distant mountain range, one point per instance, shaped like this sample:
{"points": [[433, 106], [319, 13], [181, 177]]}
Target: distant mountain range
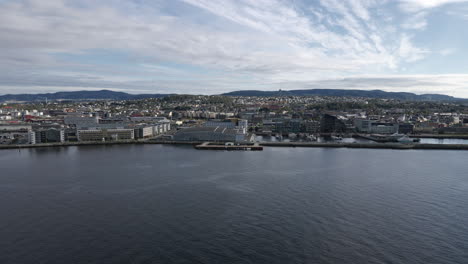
{"points": [[77, 95], [112, 95], [350, 93]]}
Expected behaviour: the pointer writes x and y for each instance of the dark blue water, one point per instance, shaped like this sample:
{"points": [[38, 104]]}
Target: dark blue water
{"points": [[166, 204]]}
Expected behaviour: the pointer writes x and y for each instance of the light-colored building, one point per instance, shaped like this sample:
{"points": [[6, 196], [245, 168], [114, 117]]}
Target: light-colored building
{"points": [[80, 121], [243, 124], [224, 124], [15, 134], [144, 132], [375, 126], [148, 119], [216, 134]]}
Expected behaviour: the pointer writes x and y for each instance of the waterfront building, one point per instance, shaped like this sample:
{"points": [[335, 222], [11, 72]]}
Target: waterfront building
{"points": [[216, 134], [378, 127], [31, 137], [283, 125], [148, 119], [223, 124], [16, 134], [243, 123], [47, 136], [311, 126], [405, 128], [105, 134], [332, 124], [362, 125], [453, 130], [383, 128], [144, 132], [81, 121]]}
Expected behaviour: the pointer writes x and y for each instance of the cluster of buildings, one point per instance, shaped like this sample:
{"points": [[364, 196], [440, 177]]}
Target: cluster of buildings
{"points": [[93, 128], [223, 118], [81, 127]]}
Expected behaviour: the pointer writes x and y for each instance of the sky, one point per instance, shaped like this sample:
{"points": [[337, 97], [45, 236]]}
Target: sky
{"points": [[216, 46]]}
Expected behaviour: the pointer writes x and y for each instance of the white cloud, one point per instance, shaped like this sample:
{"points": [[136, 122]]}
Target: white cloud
{"points": [[447, 52], [410, 52], [417, 5], [450, 84], [416, 21], [251, 43]]}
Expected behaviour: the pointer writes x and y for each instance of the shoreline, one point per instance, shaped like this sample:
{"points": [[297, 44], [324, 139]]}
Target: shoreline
{"points": [[439, 136], [263, 144]]}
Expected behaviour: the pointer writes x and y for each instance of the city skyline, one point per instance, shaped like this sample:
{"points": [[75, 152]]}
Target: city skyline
{"points": [[211, 47]]}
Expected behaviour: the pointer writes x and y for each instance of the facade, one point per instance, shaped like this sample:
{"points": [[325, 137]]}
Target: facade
{"points": [[405, 128], [20, 136], [148, 119], [362, 125], [332, 124], [283, 125], [383, 128], [224, 124], [96, 129], [161, 128], [80, 121], [15, 134], [243, 124], [32, 137], [377, 127], [311, 126], [144, 132], [105, 134], [453, 130], [216, 134], [48, 136], [294, 125]]}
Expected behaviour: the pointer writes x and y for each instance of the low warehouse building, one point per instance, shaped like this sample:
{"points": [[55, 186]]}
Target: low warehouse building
{"points": [[216, 134]]}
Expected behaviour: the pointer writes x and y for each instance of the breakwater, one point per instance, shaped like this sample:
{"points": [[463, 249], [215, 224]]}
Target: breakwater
{"points": [[210, 146]]}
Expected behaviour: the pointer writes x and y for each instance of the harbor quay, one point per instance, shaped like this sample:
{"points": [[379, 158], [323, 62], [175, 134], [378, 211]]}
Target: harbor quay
{"points": [[252, 146]]}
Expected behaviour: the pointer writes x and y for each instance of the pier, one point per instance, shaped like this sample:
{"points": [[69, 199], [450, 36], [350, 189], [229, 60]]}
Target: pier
{"points": [[368, 145], [214, 146]]}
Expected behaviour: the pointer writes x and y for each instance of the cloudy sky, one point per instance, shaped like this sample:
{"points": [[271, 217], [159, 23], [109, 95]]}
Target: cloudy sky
{"points": [[214, 46]]}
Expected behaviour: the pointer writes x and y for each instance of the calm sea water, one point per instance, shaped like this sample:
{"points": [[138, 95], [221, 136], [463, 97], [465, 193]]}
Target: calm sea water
{"points": [[167, 204]]}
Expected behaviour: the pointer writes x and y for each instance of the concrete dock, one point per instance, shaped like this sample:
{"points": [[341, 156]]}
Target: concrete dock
{"points": [[367, 145], [214, 146]]}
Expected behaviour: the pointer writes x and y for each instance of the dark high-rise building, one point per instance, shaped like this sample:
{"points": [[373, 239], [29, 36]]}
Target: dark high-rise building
{"points": [[332, 124]]}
